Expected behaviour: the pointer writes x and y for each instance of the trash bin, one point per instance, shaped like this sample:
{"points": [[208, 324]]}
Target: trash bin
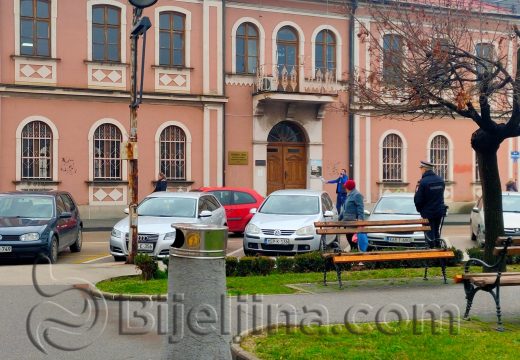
{"points": [[198, 318]]}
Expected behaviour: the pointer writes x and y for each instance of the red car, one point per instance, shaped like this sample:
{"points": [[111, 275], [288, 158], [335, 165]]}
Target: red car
{"points": [[237, 202]]}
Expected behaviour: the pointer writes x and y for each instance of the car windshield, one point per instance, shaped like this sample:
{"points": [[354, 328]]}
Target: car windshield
{"points": [[291, 205], [168, 207], [34, 207], [510, 203], [396, 205]]}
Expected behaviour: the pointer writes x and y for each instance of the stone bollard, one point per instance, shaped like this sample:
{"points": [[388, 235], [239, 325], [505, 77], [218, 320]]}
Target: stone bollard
{"points": [[198, 311]]}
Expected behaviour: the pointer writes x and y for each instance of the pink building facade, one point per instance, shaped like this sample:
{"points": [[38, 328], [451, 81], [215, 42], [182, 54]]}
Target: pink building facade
{"points": [[237, 93]]}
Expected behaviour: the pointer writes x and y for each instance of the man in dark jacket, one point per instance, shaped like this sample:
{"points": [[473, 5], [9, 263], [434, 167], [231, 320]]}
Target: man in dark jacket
{"points": [[429, 201]]}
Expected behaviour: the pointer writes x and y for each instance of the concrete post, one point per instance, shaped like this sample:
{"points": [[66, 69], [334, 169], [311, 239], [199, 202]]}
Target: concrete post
{"points": [[198, 316]]}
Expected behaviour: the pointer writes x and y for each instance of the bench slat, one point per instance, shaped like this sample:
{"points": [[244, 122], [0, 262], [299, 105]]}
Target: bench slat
{"points": [[512, 250], [409, 255], [505, 280], [369, 223], [516, 240], [364, 229]]}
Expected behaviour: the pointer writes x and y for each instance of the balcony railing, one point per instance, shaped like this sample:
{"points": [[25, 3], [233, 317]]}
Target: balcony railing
{"points": [[286, 78]]}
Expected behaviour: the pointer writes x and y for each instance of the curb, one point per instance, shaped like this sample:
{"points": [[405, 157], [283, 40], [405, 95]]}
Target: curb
{"points": [[95, 292]]}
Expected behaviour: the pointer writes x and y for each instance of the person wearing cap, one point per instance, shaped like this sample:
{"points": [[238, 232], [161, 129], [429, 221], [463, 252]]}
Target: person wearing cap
{"points": [[353, 208], [340, 188], [429, 201]]}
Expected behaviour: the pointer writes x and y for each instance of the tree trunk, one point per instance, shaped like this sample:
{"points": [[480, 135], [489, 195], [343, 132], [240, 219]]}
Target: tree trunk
{"points": [[486, 147]]}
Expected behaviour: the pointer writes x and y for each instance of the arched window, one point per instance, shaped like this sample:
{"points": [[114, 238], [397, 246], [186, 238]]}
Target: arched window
{"points": [[106, 33], [287, 58], [35, 27], [439, 156], [392, 158], [172, 44], [172, 149], [36, 151], [107, 158], [247, 49], [325, 53], [393, 53], [286, 131]]}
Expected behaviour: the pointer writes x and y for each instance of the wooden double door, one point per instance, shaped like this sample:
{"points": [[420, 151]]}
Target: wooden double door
{"points": [[286, 166]]}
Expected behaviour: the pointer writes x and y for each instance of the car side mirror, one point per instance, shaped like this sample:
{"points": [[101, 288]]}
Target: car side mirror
{"points": [[65, 215], [328, 213], [367, 212], [205, 213], [475, 209], [126, 211], [253, 211]]}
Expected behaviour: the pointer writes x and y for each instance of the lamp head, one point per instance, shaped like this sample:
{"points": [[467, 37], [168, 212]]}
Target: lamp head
{"points": [[141, 4]]}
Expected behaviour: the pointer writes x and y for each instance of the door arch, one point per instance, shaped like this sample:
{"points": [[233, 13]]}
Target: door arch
{"points": [[286, 157]]}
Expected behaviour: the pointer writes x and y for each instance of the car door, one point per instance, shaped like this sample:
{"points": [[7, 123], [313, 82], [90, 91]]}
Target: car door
{"points": [[74, 221], [217, 210], [64, 226], [477, 220]]}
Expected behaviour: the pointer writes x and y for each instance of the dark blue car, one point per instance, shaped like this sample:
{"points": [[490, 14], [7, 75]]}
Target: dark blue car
{"points": [[38, 223]]}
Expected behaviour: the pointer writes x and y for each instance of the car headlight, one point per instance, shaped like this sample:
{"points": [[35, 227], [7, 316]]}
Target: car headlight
{"points": [[252, 229], [116, 233], [307, 230], [169, 236], [30, 236]]}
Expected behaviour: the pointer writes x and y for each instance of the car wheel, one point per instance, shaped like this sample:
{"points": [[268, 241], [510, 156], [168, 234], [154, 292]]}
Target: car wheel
{"points": [[473, 236], [53, 251], [119, 258], [76, 247]]}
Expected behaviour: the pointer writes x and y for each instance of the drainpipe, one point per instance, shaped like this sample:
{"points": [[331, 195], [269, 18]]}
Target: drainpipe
{"points": [[223, 92], [350, 56]]}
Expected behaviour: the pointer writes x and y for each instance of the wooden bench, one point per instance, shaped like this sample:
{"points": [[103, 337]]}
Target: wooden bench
{"points": [[380, 226], [491, 281]]}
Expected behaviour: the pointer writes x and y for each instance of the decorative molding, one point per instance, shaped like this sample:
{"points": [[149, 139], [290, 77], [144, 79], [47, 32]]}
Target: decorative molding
{"points": [[240, 80], [105, 194], [173, 79], [106, 76], [35, 70]]}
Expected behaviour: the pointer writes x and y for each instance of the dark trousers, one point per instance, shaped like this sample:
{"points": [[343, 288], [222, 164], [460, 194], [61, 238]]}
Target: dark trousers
{"points": [[340, 201], [353, 245], [434, 233]]}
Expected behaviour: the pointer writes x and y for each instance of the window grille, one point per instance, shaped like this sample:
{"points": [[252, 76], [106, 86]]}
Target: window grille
{"points": [[247, 49], [35, 27], [172, 147], [36, 151], [172, 32], [392, 158], [439, 156], [106, 33], [107, 158]]}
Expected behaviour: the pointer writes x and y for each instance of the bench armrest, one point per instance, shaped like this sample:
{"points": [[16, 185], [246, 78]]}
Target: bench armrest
{"points": [[474, 261]]}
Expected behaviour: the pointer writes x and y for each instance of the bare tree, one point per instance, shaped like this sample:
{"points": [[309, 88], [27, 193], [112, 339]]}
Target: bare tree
{"points": [[436, 58]]}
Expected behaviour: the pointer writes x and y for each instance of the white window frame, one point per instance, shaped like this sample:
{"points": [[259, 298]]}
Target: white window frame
{"points": [[55, 141], [187, 156], [124, 169], [339, 49], [92, 3], [301, 47], [404, 156], [261, 42], [449, 170], [187, 32], [54, 15]]}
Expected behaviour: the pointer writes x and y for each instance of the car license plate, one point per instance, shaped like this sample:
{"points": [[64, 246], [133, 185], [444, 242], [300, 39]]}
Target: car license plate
{"points": [[6, 249], [145, 246], [398, 239], [277, 241]]}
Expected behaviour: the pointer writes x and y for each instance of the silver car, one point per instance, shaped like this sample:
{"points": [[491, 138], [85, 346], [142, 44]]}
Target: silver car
{"points": [[285, 222], [511, 214], [156, 213], [395, 206]]}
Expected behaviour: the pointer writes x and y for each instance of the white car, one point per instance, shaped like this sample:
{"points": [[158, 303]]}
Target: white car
{"points": [[285, 222], [156, 214], [395, 206], [511, 214]]}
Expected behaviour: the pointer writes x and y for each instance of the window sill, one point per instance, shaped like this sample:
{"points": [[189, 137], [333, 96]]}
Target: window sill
{"points": [[393, 183], [172, 67], [36, 182], [103, 62], [35, 57], [106, 182], [241, 74]]}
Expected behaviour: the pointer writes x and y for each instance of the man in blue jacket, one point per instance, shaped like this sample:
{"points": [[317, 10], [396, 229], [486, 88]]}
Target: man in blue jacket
{"points": [[429, 201], [340, 188]]}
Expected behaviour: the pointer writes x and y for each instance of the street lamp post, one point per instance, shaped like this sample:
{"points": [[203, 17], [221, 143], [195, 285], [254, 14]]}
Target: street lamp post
{"points": [[139, 27]]}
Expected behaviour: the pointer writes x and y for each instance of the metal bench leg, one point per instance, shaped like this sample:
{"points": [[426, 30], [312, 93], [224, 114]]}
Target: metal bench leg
{"points": [[470, 294], [322, 248], [338, 272], [443, 267], [425, 271], [496, 296]]}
